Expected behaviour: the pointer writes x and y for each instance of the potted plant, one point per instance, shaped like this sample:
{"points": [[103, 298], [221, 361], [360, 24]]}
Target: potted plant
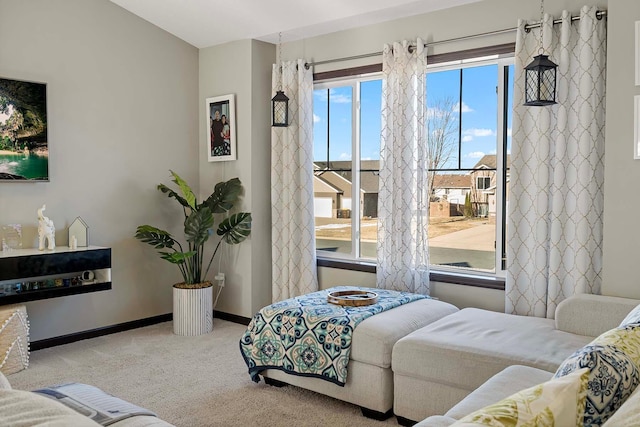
{"points": [[193, 298]]}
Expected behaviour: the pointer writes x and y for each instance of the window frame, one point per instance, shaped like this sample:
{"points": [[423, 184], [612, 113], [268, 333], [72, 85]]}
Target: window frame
{"points": [[354, 261]]}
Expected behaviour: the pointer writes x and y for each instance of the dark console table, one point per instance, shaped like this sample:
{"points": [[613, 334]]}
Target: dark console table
{"points": [[30, 274]]}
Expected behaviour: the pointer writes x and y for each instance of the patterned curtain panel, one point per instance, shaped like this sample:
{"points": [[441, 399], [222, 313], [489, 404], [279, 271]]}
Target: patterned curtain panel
{"points": [[554, 234], [403, 251], [292, 221]]}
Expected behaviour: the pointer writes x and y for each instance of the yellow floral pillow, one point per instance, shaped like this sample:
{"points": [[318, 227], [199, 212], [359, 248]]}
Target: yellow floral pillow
{"points": [[557, 403]]}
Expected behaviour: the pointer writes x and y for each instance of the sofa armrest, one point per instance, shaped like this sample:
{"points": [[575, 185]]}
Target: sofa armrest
{"points": [[591, 315]]}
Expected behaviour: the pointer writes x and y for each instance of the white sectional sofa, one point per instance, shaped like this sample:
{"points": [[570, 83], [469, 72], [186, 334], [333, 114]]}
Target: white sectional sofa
{"points": [[24, 408], [443, 367]]}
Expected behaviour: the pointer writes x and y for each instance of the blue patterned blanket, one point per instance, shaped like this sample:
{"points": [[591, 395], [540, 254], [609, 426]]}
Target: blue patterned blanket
{"points": [[307, 336]]}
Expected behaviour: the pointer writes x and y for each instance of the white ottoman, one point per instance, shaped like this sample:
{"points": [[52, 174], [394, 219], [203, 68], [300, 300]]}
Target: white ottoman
{"points": [[14, 338], [370, 379]]}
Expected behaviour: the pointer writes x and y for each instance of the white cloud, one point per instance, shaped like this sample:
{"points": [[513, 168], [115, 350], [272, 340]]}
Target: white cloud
{"points": [[467, 138], [340, 98], [476, 155], [345, 156], [465, 108], [509, 132], [478, 132], [316, 118]]}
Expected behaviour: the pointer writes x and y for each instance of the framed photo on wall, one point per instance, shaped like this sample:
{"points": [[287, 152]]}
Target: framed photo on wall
{"points": [[221, 129], [24, 145]]}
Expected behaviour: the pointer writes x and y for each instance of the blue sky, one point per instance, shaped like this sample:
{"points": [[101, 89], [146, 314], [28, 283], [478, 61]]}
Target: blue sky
{"points": [[479, 109]]}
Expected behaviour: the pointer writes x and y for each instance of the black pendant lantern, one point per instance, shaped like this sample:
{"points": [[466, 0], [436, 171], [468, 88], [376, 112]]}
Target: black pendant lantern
{"points": [[280, 102], [540, 82], [540, 76], [280, 110]]}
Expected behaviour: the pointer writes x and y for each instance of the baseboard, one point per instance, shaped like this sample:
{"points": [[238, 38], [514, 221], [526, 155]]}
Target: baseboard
{"points": [[121, 327], [231, 317]]}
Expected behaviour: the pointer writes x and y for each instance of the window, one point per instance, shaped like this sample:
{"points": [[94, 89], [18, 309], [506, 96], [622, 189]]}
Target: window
{"points": [[469, 135], [483, 182]]}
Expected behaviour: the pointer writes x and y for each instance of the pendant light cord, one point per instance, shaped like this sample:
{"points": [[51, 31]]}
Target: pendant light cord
{"points": [[541, 50], [279, 60]]}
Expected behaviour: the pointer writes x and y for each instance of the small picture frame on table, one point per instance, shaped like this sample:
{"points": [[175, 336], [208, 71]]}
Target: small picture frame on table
{"points": [[221, 128]]}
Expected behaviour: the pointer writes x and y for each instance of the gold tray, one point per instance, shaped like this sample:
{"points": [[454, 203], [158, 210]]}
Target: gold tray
{"points": [[352, 298]]}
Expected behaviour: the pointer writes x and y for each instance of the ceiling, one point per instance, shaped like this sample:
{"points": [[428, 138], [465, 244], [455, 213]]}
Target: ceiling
{"points": [[204, 23]]}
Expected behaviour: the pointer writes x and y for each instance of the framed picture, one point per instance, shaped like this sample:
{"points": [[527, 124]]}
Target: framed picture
{"points": [[24, 146], [221, 130], [637, 47]]}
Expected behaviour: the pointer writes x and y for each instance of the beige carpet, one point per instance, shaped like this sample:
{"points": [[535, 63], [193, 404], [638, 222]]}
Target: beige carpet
{"points": [[188, 381]]}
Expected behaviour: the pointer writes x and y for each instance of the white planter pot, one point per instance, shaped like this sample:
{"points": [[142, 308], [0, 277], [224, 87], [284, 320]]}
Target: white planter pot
{"points": [[192, 311]]}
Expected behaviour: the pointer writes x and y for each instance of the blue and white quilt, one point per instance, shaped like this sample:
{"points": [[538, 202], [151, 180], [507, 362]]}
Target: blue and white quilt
{"points": [[308, 336]]}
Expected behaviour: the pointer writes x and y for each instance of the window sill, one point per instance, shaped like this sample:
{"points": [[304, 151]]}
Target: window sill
{"points": [[487, 282]]}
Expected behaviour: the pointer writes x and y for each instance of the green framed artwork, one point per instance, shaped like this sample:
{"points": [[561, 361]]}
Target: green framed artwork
{"points": [[24, 146]]}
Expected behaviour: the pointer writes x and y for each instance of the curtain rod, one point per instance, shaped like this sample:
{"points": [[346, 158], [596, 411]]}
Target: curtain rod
{"points": [[599, 14]]}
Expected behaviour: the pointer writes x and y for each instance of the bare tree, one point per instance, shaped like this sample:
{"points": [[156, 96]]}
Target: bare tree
{"points": [[441, 131]]}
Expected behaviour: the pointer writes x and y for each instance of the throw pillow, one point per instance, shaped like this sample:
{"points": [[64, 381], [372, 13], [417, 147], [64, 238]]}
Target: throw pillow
{"points": [[613, 376], [632, 318], [625, 339], [555, 403]]}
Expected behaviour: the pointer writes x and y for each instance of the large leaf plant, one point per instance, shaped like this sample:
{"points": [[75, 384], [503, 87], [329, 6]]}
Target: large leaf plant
{"points": [[198, 227]]}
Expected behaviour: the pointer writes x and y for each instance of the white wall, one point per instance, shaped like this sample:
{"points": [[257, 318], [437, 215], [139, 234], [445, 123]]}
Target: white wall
{"points": [[242, 68], [122, 111]]}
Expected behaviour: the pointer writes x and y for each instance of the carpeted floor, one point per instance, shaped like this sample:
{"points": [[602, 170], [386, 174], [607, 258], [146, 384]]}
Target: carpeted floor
{"points": [[187, 381]]}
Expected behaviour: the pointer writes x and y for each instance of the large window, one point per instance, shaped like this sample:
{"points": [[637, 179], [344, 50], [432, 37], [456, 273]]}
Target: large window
{"points": [[469, 138]]}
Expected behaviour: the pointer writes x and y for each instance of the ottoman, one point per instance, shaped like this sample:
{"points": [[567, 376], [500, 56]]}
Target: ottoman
{"points": [[370, 379], [14, 338]]}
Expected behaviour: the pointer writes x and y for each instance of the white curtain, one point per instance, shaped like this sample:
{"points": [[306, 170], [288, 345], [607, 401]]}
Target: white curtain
{"points": [[403, 251], [556, 197], [292, 218]]}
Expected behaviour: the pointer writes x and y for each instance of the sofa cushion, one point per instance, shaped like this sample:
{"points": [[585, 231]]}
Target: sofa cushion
{"points": [[505, 383], [468, 347], [374, 337], [23, 408], [558, 402], [613, 376]]}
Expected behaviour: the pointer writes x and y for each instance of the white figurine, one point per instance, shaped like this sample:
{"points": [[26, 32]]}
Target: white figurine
{"points": [[46, 230]]}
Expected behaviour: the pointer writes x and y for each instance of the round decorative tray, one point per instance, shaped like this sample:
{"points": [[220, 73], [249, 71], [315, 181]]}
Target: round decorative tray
{"points": [[352, 298]]}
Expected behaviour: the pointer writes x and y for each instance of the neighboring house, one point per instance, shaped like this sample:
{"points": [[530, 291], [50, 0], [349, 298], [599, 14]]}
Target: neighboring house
{"points": [[483, 185], [326, 197], [332, 188], [340, 178], [451, 187]]}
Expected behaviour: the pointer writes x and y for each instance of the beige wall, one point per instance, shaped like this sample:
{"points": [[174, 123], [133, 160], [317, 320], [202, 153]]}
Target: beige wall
{"points": [[242, 68], [122, 111], [622, 173], [475, 18]]}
